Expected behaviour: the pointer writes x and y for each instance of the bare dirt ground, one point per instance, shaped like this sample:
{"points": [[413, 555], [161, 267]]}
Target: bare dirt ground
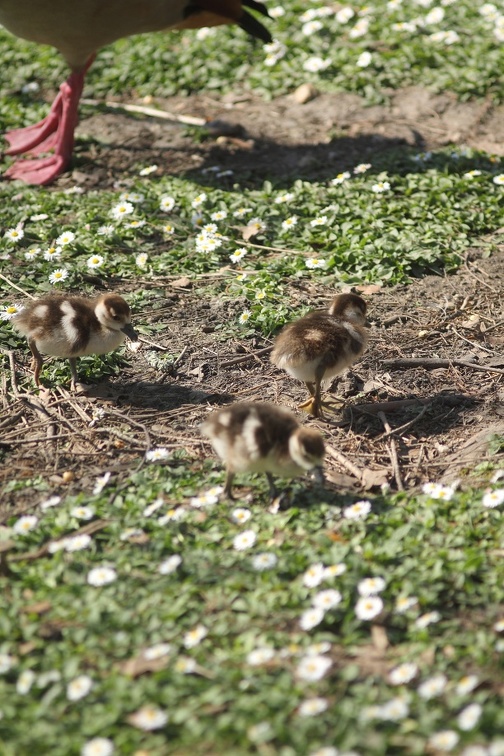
{"points": [[401, 423]]}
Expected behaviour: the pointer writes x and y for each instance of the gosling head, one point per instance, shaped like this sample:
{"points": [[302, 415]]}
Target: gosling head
{"points": [[307, 449], [113, 312], [349, 307]]}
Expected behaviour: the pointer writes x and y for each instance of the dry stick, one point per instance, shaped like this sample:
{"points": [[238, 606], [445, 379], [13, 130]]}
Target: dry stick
{"points": [[434, 362], [390, 406], [392, 452], [10, 355], [246, 357], [165, 115], [345, 462], [474, 346], [93, 527], [143, 340], [406, 426], [15, 286]]}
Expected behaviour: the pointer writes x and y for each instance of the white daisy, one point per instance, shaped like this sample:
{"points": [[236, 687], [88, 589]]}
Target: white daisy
{"points": [[157, 651], [105, 230], [446, 740], [7, 312], [312, 668], [321, 220], [362, 168], [206, 499], [314, 575], [78, 542], [148, 170], [241, 212], [334, 570], [318, 648], [67, 237], [142, 259], [341, 178], [52, 501], [121, 210], [157, 454], [493, 499], [99, 576], [238, 255], [357, 511], [432, 687], [244, 540], [244, 317], [394, 710], [32, 253], [364, 60], [472, 174], [185, 665], [195, 636], [289, 222], [24, 524], [469, 717], [466, 685], [134, 197], [82, 513], [25, 682], [368, 607], [314, 64], [264, 561], [311, 618], [327, 599], [402, 674], [97, 747], [58, 275], [14, 234], [199, 200], [39, 217], [438, 491], [380, 187], [403, 603], [153, 507], [95, 261], [149, 717], [311, 27], [79, 687], [219, 215], [241, 515], [344, 15], [316, 262], [6, 663], [312, 706], [429, 618], [285, 197], [499, 180], [101, 482], [260, 656], [170, 565], [371, 586], [52, 253], [168, 229], [166, 203]]}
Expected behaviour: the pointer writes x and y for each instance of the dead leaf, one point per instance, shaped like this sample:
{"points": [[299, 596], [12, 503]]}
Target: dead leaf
{"points": [[139, 665], [41, 607], [182, 283], [374, 478], [368, 288], [379, 638]]}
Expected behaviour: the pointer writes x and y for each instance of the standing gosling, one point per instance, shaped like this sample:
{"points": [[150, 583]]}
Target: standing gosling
{"points": [[320, 345], [259, 437], [72, 327]]}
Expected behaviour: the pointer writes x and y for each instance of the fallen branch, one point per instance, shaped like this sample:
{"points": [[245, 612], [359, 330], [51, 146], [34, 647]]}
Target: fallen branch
{"points": [[392, 452], [165, 115], [434, 362], [246, 357], [339, 457]]}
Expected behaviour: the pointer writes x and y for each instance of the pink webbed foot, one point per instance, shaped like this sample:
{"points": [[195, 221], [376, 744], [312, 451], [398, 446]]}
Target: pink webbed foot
{"points": [[54, 132]]}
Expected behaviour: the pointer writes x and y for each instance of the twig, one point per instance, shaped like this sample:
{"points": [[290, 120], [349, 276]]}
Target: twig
{"points": [[406, 426], [93, 527], [246, 357], [339, 457], [10, 354], [15, 286], [152, 112], [475, 346], [143, 340], [390, 406], [434, 362], [392, 452]]}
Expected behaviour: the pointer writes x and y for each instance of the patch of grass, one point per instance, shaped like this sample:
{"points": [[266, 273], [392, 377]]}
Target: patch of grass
{"points": [[215, 639]]}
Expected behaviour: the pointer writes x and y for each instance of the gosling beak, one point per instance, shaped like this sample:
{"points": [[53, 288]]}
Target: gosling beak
{"points": [[318, 474], [130, 332]]}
